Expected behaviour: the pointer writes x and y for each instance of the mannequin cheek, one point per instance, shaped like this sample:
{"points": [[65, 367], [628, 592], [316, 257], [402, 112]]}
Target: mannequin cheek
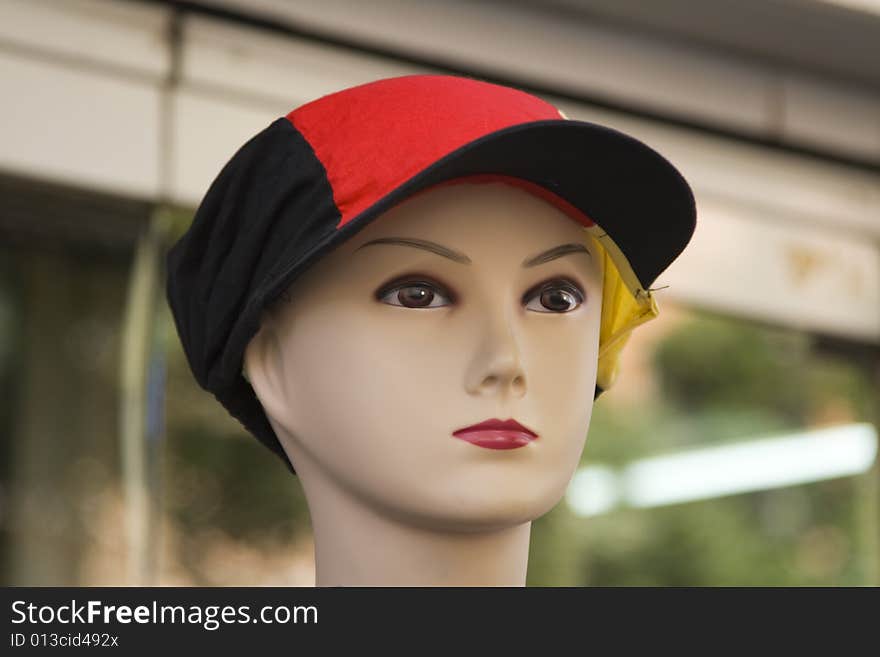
{"points": [[563, 359], [360, 396]]}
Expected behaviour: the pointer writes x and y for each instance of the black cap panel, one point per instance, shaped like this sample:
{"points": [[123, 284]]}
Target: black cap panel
{"points": [[271, 194]]}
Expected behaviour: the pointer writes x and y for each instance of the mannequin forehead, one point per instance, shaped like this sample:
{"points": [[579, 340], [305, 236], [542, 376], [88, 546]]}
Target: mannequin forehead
{"points": [[474, 219]]}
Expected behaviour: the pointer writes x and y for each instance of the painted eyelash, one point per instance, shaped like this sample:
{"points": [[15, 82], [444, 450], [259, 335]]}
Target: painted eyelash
{"points": [[564, 283], [406, 280]]}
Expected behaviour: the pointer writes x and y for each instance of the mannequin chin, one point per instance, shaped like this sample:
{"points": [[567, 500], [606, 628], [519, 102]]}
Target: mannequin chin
{"points": [[382, 350]]}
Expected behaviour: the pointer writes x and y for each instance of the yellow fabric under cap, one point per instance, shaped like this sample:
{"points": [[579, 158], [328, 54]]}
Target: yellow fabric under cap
{"points": [[622, 311]]}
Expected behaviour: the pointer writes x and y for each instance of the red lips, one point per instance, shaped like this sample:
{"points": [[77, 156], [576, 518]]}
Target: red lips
{"points": [[497, 434]]}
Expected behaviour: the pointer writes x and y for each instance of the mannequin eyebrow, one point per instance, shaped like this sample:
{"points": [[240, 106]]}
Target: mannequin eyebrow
{"points": [[452, 254], [555, 252]]}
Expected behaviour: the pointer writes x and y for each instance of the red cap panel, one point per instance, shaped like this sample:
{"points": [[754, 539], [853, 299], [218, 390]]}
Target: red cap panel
{"points": [[409, 117]]}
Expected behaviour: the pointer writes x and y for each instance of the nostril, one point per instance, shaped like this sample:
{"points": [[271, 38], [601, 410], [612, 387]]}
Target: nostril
{"points": [[491, 380], [518, 381]]}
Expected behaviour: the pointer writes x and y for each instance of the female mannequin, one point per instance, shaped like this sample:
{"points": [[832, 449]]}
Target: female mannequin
{"points": [[365, 393], [453, 252]]}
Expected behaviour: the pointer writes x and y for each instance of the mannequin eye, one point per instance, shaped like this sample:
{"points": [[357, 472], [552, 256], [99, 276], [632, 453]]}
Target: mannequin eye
{"points": [[415, 294], [559, 296]]}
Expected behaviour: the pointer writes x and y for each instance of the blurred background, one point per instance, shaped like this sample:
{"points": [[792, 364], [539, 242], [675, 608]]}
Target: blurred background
{"points": [[739, 446]]}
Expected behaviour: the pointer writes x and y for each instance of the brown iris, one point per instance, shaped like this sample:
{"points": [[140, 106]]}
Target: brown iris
{"points": [[557, 299], [415, 296]]}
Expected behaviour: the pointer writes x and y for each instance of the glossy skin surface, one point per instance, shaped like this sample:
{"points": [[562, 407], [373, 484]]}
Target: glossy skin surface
{"points": [[385, 349]]}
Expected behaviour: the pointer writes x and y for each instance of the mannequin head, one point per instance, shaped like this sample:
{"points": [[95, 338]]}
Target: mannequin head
{"points": [[381, 350], [420, 303]]}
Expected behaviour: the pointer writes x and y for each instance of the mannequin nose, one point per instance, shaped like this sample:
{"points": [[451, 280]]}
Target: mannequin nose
{"points": [[497, 369], [506, 379]]}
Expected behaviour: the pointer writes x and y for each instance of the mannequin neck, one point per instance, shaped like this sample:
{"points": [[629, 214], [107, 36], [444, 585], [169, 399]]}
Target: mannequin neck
{"points": [[355, 545]]}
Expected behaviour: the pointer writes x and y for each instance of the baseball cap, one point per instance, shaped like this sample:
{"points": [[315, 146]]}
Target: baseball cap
{"points": [[313, 178]]}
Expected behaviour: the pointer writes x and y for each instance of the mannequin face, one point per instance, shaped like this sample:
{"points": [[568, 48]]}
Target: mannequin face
{"points": [[385, 349]]}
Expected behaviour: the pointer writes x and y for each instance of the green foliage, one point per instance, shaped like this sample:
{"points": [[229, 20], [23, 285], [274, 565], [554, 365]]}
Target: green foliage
{"points": [[713, 363], [232, 483]]}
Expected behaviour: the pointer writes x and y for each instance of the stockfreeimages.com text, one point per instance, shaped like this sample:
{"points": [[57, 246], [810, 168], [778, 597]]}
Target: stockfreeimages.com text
{"points": [[211, 617]]}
